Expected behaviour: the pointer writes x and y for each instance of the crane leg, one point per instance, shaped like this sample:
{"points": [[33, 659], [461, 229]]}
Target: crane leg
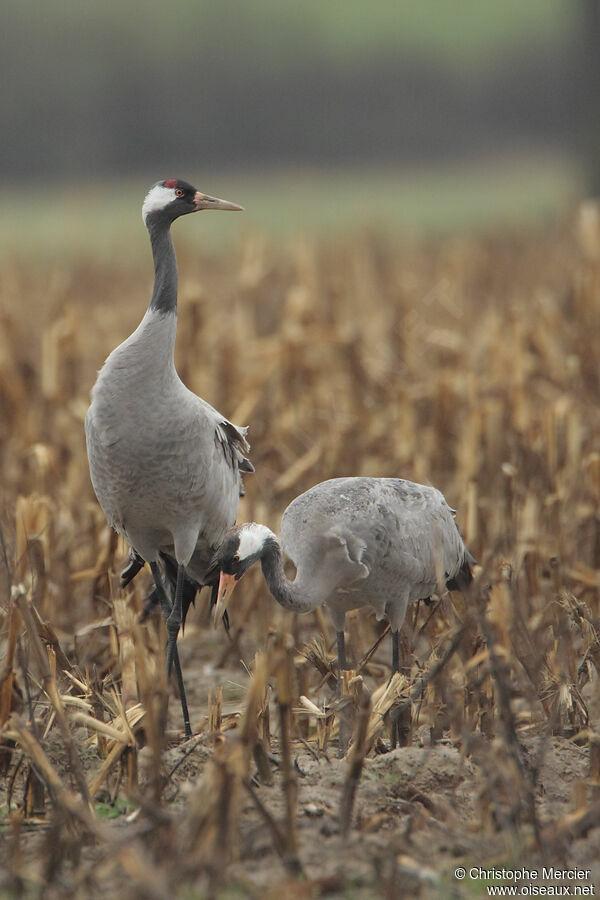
{"points": [[400, 723], [343, 736], [166, 609], [175, 619], [395, 668], [395, 651], [341, 649]]}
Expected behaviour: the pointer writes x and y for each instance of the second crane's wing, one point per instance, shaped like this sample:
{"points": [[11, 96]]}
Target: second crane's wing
{"points": [[428, 544]]}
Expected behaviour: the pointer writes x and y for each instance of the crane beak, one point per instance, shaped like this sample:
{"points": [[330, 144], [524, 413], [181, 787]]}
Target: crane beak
{"points": [[227, 585], [205, 201]]}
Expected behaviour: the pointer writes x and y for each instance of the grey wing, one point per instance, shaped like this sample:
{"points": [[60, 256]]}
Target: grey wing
{"points": [[106, 483], [219, 460], [428, 539]]}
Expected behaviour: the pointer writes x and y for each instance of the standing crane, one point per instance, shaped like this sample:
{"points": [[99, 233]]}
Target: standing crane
{"points": [[379, 542], [166, 467]]}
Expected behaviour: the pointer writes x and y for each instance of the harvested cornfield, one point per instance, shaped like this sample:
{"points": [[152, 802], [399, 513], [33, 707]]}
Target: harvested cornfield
{"points": [[469, 363]]}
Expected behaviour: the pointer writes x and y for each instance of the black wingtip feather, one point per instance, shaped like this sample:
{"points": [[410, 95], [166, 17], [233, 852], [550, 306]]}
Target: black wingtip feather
{"points": [[130, 571], [463, 577]]}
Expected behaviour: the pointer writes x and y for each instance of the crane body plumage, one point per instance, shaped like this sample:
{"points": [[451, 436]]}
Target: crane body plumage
{"points": [[379, 542], [165, 465]]}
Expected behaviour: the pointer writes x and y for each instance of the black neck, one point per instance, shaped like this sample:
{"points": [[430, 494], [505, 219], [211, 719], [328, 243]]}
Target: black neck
{"points": [[164, 294]]}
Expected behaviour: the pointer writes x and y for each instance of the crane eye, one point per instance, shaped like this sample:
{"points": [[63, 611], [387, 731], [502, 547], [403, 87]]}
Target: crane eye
{"points": [[179, 192]]}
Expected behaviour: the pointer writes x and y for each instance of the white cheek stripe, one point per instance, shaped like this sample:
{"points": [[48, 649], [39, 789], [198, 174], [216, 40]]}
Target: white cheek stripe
{"points": [[251, 539], [157, 198]]}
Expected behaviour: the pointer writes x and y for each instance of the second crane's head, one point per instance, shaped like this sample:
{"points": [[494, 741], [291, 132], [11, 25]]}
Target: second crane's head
{"points": [[240, 549], [167, 200]]}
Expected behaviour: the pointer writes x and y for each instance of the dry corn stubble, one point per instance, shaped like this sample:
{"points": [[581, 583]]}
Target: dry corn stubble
{"points": [[468, 363]]}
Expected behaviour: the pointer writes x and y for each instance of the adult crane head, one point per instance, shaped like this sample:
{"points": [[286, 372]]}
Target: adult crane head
{"points": [[167, 200], [240, 549]]}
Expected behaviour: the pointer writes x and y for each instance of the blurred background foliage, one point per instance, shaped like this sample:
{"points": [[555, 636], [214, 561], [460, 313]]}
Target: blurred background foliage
{"points": [[430, 114]]}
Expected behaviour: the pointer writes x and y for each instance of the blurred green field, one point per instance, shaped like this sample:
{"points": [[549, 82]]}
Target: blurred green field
{"points": [[467, 33], [102, 221]]}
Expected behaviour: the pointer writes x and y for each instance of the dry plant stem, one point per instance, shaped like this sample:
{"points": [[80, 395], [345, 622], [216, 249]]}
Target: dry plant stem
{"points": [[279, 842], [34, 792], [231, 647], [355, 764], [215, 710], [421, 683], [187, 753], [113, 757], [5, 555], [152, 880], [124, 844], [575, 825], [47, 665], [364, 662], [594, 772], [222, 843], [7, 677], [153, 693], [48, 636], [284, 670], [123, 621], [500, 676], [61, 795], [290, 786], [263, 765]]}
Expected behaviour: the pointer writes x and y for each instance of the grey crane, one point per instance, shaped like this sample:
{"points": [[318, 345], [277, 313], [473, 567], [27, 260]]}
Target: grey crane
{"points": [[379, 542], [165, 465]]}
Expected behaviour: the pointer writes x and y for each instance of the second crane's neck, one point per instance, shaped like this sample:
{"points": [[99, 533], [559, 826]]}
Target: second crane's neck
{"points": [[164, 294], [301, 595]]}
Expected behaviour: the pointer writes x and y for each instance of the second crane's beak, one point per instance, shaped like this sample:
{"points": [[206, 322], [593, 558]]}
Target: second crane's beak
{"points": [[227, 585], [205, 201]]}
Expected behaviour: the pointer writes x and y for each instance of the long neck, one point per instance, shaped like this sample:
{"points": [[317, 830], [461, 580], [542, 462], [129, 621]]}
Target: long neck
{"points": [[293, 595], [164, 294]]}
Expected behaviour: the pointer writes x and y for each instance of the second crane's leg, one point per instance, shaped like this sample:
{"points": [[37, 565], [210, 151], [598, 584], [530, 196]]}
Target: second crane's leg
{"points": [[395, 668], [343, 738], [395, 651], [166, 610], [341, 649], [400, 722]]}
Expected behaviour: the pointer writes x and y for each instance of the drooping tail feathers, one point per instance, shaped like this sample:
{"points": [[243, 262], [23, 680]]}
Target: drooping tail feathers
{"points": [[464, 576], [234, 444]]}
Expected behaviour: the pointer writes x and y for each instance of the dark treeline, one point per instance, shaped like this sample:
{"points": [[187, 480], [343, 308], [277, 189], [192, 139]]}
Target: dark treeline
{"points": [[107, 99]]}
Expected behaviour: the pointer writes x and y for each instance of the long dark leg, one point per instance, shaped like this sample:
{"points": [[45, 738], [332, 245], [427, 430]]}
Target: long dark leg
{"points": [[165, 604], [343, 738], [395, 651], [395, 668], [401, 723], [341, 649], [175, 618]]}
